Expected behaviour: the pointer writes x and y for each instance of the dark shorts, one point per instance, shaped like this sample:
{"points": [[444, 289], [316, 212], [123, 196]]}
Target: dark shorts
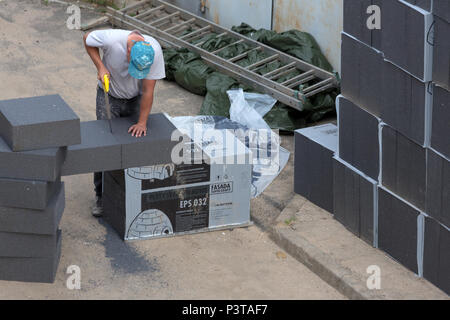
{"points": [[119, 107]]}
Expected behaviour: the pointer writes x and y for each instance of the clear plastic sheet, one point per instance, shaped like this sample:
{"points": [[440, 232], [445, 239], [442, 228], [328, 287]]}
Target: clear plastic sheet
{"points": [[247, 124]]}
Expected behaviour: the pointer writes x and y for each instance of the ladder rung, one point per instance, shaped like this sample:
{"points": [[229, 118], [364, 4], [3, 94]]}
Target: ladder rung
{"points": [[149, 12], [228, 45], [200, 35], [152, 23], [277, 76], [317, 85], [180, 25], [263, 61], [299, 82], [243, 55], [222, 34], [274, 72], [321, 89], [193, 33], [218, 36], [298, 77], [134, 6]]}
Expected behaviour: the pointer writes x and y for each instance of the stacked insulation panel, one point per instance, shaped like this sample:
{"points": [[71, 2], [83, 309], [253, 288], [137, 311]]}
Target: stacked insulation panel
{"points": [[391, 168]]}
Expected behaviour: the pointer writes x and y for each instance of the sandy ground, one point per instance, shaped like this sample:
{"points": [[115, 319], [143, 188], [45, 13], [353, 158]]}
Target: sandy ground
{"points": [[39, 56]]}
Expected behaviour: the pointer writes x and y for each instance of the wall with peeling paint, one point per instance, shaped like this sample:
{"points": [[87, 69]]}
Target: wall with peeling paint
{"points": [[322, 18], [228, 13]]}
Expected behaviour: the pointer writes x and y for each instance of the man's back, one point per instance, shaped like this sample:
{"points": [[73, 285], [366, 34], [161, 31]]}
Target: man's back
{"points": [[113, 43]]}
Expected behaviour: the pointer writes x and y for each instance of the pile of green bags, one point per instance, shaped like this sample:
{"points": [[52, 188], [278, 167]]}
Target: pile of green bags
{"points": [[192, 73]]}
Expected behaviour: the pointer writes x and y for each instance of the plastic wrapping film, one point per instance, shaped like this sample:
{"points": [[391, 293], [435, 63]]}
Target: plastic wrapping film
{"points": [[247, 124]]}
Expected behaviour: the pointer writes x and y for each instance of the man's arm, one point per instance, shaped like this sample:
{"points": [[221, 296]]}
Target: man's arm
{"points": [[94, 53], [140, 128]]}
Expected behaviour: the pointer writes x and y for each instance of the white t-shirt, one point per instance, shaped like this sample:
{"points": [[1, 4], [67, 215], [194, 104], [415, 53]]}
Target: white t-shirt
{"points": [[113, 43]]}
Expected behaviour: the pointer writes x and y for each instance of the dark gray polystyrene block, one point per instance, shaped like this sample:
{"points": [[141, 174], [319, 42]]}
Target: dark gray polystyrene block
{"points": [[155, 148], [39, 269], [438, 188], [30, 221], [354, 200], [377, 34], [403, 168], [408, 44], [313, 164], [441, 8], [28, 245], [27, 194], [406, 103], [355, 20], [423, 4], [114, 202], [436, 258], [42, 165], [397, 229], [441, 53], [440, 131], [358, 138], [38, 123], [361, 76], [99, 150]]}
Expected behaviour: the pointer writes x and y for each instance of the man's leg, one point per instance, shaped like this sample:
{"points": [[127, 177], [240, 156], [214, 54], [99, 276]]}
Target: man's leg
{"points": [[97, 210], [101, 113], [131, 107]]}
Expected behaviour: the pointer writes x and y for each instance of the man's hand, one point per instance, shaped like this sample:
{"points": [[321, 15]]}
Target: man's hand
{"points": [[138, 130], [101, 74]]}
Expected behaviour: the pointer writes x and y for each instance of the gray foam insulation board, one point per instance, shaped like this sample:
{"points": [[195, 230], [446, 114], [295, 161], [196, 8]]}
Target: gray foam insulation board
{"points": [[42, 164], [423, 4], [361, 77], [440, 131], [355, 201], [27, 194], [406, 103], [356, 16], [114, 204], [38, 123], [355, 20], [436, 257], [397, 229], [441, 53], [358, 137], [409, 42], [37, 269], [155, 148], [28, 245], [313, 164], [403, 168], [438, 188], [441, 8], [30, 221], [99, 150]]}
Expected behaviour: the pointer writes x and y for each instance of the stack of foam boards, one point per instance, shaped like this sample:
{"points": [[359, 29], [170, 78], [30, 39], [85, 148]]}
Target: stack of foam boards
{"points": [[34, 133], [180, 198], [391, 168], [313, 164], [394, 124], [105, 149]]}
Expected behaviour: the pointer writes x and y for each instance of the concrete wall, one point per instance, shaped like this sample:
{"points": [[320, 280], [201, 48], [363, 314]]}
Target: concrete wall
{"points": [[228, 13], [322, 18]]}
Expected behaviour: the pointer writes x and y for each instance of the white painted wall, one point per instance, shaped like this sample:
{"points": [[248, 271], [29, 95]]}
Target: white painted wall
{"points": [[324, 19], [228, 13]]}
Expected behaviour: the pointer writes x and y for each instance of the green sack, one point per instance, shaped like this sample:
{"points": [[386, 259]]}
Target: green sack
{"points": [[301, 45], [193, 75]]}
